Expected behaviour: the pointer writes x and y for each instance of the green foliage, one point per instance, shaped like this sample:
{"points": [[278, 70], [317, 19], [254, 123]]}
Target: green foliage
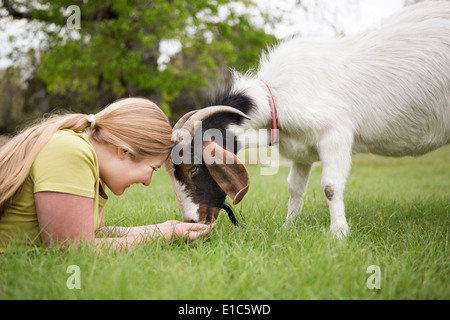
{"points": [[118, 46]]}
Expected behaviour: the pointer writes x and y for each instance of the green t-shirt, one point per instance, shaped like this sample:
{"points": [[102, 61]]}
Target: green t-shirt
{"points": [[68, 164]]}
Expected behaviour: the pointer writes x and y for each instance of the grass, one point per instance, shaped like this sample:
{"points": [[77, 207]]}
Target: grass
{"points": [[398, 211]]}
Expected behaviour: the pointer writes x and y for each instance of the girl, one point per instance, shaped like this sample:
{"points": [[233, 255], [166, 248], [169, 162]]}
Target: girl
{"points": [[53, 175]]}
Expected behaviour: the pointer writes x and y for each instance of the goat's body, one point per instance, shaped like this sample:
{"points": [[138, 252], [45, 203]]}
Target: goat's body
{"points": [[384, 91], [388, 86]]}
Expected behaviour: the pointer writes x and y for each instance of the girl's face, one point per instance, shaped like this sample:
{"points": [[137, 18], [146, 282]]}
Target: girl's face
{"points": [[123, 171]]}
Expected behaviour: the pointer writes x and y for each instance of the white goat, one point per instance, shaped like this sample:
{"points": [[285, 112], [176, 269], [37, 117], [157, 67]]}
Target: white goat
{"points": [[385, 91]]}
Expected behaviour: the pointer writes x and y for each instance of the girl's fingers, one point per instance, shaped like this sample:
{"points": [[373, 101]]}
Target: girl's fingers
{"points": [[194, 230], [197, 226]]}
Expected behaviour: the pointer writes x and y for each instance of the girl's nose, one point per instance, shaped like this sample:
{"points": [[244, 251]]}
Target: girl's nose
{"points": [[148, 178]]}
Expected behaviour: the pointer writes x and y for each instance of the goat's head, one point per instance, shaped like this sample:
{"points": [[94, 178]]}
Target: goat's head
{"points": [[203, 172]]}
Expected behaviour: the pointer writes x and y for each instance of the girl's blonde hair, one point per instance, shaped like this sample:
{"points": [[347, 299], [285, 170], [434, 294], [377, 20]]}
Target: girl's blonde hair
{"points": [[136, 125]]}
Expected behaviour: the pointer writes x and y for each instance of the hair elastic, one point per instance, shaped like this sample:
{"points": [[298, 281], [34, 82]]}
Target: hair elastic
{"points": [[91, 119]]}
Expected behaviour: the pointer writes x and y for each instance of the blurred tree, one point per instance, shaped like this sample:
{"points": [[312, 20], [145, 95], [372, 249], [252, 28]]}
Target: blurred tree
{"points": [[11, 98], [117, 49]]}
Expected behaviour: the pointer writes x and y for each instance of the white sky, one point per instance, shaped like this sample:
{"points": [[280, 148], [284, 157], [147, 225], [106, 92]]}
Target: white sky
{"points": [[349, 16]]}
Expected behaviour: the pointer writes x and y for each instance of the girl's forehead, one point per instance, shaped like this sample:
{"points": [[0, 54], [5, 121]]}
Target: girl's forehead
{"points": [[156, 161]]}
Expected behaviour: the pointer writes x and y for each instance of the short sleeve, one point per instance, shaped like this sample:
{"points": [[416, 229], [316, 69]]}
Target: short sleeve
{"points": [[66, 164]]}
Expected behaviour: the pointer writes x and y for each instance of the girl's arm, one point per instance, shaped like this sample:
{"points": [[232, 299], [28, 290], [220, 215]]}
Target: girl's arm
{"points": [[66, 217], [167, 229]]}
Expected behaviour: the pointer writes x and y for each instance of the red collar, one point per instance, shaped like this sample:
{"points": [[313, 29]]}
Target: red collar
{"points": [[273, 112]]}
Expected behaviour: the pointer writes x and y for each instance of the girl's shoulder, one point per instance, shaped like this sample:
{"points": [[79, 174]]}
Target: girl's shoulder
{"points": [[67, 163], [66, 137], [67, 143]]}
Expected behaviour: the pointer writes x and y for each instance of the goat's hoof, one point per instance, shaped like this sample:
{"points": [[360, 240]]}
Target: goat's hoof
{"points": [[289, 223], [340, 231]]}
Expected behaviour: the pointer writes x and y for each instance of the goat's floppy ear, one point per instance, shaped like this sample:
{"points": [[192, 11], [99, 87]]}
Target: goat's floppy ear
{"points": [[227, 170]]}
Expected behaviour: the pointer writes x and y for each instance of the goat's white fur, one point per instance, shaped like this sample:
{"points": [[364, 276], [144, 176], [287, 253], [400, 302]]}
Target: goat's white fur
{"points": [[189, 209], [384, 91]]}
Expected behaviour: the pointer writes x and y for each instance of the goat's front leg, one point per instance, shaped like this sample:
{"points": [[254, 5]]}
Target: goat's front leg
{"points": [[297, 182], [335, 155]]}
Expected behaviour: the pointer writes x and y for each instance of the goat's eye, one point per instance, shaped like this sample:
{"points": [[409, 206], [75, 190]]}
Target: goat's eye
{"points": [[193, 170]]}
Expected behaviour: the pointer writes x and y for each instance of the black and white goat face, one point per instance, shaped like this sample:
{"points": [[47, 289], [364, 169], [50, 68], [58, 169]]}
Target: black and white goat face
{"points": [[203, 173]]}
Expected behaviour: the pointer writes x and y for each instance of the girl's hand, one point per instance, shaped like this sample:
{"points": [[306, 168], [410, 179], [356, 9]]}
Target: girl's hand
{"points": [[184, 230]]}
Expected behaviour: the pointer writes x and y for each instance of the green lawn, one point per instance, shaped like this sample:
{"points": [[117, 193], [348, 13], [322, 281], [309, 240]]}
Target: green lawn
{"points": [[398, 212]]}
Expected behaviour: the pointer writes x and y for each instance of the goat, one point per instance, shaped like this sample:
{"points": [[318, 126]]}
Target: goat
{"points": [[384, 91]]}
